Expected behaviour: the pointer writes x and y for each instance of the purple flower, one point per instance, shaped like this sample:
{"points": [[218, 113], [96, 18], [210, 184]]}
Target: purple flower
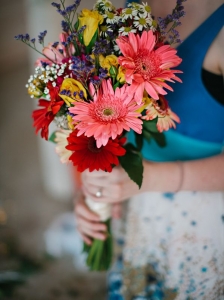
{"points": [[41, 36], [172, 34], [55, 44], [65, 26], [58, 6]]}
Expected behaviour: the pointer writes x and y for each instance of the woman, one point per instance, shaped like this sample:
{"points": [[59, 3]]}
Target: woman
{"points": [[174, 244]]}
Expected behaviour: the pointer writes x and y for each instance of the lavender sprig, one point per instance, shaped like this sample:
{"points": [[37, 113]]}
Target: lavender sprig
{"points": [[67, 13], [41, 37], [31, 42], [101, 47], [172, 21]]}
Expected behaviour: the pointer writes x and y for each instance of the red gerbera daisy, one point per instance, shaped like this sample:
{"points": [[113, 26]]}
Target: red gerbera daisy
{"points": [[44, 116], [86, 155]]}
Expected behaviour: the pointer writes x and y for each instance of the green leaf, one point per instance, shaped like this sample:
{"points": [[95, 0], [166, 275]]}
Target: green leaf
{"points": [[52, 137], [139, 140], [150, 125], [116, 85], [80, 37], [76, 26], [147, 135], [132, 164], [92, 43], [63, 110], [159, 138], [113, 71], [150, 131]]}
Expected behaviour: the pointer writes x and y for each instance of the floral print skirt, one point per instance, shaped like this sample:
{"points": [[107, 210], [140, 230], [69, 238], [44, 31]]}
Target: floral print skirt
{"points": [[172, 248]]}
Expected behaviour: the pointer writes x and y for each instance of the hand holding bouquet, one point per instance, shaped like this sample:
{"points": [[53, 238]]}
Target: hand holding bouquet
{"points": [[105, 76]]}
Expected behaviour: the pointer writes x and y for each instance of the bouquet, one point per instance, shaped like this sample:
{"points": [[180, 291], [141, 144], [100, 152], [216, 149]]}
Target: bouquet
{"points": [[105, 76]]}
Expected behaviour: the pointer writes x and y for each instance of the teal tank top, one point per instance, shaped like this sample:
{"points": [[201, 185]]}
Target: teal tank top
{"points": [[201, 131]]}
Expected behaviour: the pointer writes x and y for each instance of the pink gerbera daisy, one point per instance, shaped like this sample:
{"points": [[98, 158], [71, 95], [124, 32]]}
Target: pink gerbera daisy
{"points": [[108, 114], [147, 68]]}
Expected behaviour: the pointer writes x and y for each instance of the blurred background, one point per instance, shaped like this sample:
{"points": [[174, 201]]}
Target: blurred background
{"points": [[40, 249]]}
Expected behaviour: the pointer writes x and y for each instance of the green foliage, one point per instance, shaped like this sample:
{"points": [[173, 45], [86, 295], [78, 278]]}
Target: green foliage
{"points": [[150, 125], [52, 137], [99, 254], [132, 164], [116, 85], [113, 71], [150, 131], [62, 111], [139, 141], [92, 43]]}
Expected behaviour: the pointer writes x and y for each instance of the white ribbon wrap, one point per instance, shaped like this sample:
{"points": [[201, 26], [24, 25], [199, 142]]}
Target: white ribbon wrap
{"points": [[101, 209]]}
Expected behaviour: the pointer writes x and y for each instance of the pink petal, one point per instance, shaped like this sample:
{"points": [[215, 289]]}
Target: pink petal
{"points": [[125, 47], [126, 62], [151, 91], [139, 93], [138, 78], [158, 88], [147, 40], [133, 41]]}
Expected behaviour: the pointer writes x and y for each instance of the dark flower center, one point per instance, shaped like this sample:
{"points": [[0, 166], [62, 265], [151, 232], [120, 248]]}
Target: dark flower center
{"points": [[92, 146], [162, 103], [147, 64]]}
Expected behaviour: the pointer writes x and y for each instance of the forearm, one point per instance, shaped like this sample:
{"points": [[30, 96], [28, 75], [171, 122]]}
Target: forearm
{"points": [[198, 175]]}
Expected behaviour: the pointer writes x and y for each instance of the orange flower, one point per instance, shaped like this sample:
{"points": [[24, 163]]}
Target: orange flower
{"points": [[159, 108]]}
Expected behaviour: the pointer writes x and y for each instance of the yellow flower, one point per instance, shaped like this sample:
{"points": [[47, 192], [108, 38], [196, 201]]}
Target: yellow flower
{"points": [[90, 19], [36, 88], [154, 23], [146, 100], [121, 74], [108, 61], [73, 89], [70, 122]]}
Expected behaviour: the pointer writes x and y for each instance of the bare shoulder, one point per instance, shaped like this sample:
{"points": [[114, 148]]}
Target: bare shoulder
{"points": [[214, 59]]}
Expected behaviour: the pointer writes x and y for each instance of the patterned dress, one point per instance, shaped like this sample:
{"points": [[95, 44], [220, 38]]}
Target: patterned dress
{"points": [[173, 245]]}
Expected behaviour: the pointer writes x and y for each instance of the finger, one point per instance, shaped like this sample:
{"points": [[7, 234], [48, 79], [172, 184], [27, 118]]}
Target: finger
{"points": [[90, 181], [97, 199], [86, 239], [92, 189], [94, 174], [81, 209], [92, 234], [110, 194], [106, 191], [82, 223], [116, 211]]}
